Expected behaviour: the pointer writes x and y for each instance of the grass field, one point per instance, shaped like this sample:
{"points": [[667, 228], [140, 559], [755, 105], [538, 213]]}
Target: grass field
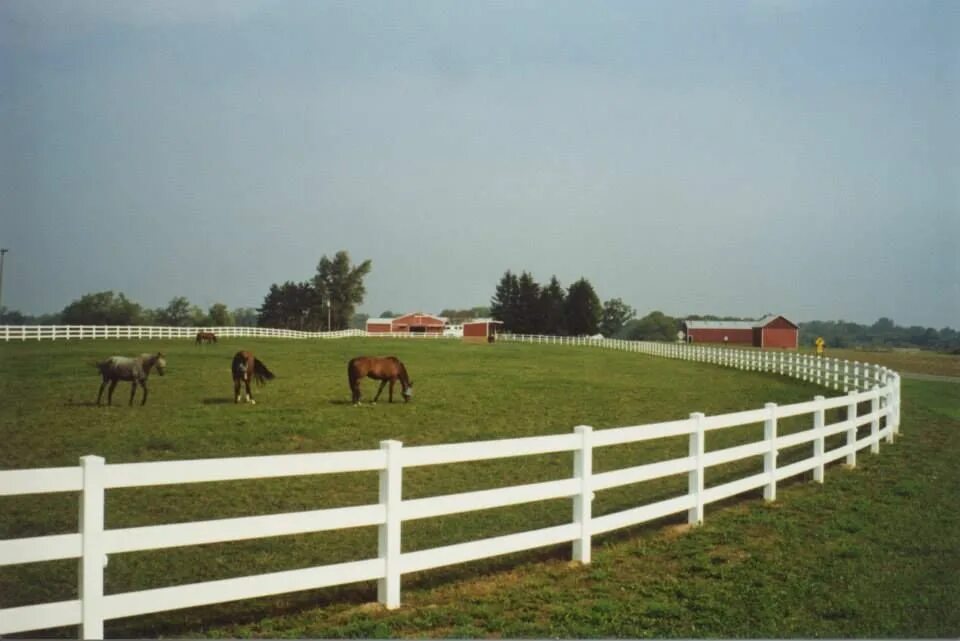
{"points": [[873, 552]]}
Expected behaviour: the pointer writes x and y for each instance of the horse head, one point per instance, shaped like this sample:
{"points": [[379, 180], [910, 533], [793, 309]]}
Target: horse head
{"points": [[160, 363]]}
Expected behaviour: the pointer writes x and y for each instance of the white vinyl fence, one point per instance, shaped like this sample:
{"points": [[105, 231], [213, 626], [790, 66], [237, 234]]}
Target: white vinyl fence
{"points": [[93, 544], [146, 332]]}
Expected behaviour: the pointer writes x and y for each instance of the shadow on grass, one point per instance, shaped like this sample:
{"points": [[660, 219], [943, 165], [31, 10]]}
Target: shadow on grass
{"points": [[218, 401], [73, 403]]}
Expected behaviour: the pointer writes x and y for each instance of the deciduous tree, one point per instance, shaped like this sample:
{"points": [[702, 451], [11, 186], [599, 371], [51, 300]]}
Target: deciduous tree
{"points": [[616, 313], [340, 285]]}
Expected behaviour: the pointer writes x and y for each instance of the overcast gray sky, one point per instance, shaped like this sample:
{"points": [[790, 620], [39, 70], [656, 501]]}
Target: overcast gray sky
{"points": [[734, 158]]}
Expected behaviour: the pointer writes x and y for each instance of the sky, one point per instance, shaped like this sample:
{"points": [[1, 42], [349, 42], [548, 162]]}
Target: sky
{"points": [[729, 158]]}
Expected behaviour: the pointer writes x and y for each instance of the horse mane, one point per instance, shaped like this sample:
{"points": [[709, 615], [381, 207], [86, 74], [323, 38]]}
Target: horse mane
{"points": [[404, 377]]}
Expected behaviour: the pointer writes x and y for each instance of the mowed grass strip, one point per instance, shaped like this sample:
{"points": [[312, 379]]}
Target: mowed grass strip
{"points": [[462, 393]]}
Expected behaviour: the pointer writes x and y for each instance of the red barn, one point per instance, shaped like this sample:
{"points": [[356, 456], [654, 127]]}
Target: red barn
{"points": [[416, 323], [770, 331], [481, 330]]}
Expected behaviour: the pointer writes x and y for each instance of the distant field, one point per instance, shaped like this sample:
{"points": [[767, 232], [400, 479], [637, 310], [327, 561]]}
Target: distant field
{"points": [[910, 361], [462, 393]]}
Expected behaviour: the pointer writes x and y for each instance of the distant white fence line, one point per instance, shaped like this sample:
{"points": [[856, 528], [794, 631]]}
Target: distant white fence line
{"points": [[79, 332], [878, 386]]}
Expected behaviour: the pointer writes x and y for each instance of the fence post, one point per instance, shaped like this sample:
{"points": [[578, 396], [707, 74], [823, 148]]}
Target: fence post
{"points": [[852, 430], [770, 458], [93, 559], [893, 404], [818, 422], [886, 404], [695, 477], [875, 423], [583, 470], [388, 548]]}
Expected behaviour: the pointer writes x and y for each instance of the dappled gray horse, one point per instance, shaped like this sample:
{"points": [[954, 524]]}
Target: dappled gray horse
{"points": [[125, 368]]}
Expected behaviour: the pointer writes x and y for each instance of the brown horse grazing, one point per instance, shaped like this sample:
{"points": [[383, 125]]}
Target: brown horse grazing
{"points": [[245, 367], [124, 368], [384, 369], [206, 337]]}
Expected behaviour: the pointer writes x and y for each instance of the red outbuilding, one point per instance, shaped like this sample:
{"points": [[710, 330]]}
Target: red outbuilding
{"points": [[770, 331], [481, 330]]}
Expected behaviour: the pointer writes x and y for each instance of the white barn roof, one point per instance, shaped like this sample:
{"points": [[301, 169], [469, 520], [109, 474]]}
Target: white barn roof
{"points": [[748, 324]]}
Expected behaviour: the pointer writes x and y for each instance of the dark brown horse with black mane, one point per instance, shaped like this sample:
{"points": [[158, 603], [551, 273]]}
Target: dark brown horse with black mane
{"points": [[206, 337], [386, 369], [244, 368], [124, 368]]}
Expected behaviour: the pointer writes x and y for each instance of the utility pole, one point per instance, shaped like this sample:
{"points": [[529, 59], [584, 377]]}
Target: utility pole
{"points": [[2, 254]]}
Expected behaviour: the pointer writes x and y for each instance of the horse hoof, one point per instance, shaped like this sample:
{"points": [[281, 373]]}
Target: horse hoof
{"points": [[253, 402]]}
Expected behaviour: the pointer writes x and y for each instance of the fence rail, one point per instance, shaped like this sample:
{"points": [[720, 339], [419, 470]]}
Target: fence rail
{"points": [[149, 332], [861, 382]]}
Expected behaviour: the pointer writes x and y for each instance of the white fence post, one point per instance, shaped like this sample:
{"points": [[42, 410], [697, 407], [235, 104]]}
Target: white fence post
{"points": [[770, 458], [93, 558], [583, 470], [852, 430], [391, 494], [695, 478], [893, 405], [818, 445], [875, 423]]}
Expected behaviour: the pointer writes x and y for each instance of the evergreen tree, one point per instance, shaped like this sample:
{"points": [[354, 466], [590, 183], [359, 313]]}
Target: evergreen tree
{"points": [[583, 309], [552, 300], [505, 302], [529, 318]]}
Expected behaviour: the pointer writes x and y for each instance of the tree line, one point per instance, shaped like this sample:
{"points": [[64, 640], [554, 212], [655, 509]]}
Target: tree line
{"points": [[883, 333], [326, 301], [526, 307], [110, 308]]}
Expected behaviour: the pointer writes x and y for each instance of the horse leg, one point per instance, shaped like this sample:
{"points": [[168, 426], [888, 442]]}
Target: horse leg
{"points": [[143, 384], [236, 390], [250, 400], [392, 381], [355, 392], [382, 384], [103, 385], [133, 391], [113, 384]]}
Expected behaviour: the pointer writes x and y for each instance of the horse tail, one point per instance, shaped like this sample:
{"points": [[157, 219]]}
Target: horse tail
{"points": [[261, 373]]}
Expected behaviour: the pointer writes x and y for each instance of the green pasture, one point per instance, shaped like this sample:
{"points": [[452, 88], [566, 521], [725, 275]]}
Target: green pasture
{"points": [[751, 570]]}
